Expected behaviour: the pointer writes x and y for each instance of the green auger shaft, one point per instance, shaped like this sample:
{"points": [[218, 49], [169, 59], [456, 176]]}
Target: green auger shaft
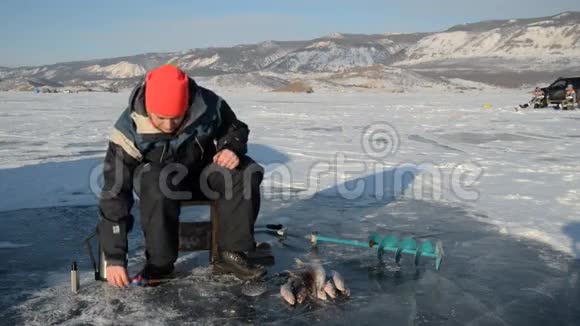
{"points": [[392, 244]]}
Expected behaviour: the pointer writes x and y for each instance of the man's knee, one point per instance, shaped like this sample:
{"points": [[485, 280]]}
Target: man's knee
{"points": [[253, 174], [160, 182], [246, 178]]}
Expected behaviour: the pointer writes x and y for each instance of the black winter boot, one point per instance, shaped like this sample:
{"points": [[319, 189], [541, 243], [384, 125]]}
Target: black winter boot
{"points": [[151, 272], [237, 263]]}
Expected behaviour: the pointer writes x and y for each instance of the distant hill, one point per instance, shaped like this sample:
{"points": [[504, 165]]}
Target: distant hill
{"points": [[508, 53]]}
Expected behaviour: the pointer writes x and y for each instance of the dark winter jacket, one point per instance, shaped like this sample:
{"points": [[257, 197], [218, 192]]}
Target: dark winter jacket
{"points": [[210, 127]]}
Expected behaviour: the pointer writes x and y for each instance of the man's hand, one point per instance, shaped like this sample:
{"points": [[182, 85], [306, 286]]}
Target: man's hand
{"points": [[117, 276], [226, 159]]}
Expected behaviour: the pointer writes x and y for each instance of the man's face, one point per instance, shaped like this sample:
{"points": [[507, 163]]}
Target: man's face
{"points": [[166, 124]]}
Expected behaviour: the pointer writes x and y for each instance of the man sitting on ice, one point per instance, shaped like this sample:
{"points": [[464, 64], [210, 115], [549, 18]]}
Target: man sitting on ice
{"points": [[173, 127]]}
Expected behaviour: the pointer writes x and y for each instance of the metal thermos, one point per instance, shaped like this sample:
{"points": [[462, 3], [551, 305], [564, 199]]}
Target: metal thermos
{"points": [[74, 277], [102, 265]]}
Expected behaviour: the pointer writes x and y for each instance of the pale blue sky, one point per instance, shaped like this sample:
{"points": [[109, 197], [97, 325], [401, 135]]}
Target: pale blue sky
{"points": [[43, 32]]}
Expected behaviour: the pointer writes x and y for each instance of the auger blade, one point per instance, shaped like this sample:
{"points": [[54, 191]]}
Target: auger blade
{"points": [[427, 247], [391, 243]]}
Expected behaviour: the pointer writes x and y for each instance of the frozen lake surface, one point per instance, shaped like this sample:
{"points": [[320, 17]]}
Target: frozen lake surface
{"points": [[499, 187]]}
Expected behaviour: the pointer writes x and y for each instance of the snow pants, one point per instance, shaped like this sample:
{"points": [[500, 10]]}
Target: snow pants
{"points": [[163, 187]]}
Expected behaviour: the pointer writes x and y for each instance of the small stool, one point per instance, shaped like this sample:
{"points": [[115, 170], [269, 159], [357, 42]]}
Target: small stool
{"points": [[194, 236]]}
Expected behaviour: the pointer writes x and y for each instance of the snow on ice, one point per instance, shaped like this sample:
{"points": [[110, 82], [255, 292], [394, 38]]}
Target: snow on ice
{"points": [[51, 149], [499, 187]]}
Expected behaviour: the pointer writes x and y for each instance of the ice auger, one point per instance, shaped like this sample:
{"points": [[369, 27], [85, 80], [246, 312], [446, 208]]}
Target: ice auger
{"points": [[391, 244]]}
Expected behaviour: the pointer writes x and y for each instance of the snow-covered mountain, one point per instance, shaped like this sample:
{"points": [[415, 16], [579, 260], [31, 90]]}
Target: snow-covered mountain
{"points": [[122, 69], [554, 41], [237, 59], [340, 52], [502, 52]]}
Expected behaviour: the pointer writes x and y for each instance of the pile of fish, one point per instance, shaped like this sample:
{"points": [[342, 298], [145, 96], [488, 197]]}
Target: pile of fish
{"points": [[310, 281]]}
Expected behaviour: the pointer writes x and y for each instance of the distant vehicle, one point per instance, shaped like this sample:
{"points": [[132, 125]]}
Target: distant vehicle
{"points": [[556, 92]]}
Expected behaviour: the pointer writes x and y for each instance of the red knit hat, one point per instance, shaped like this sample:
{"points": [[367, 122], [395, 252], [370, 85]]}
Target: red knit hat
{"points": [[167, 91]]}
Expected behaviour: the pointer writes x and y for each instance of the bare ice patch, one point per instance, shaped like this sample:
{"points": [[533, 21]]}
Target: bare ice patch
{"points": [[12, 245]]}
